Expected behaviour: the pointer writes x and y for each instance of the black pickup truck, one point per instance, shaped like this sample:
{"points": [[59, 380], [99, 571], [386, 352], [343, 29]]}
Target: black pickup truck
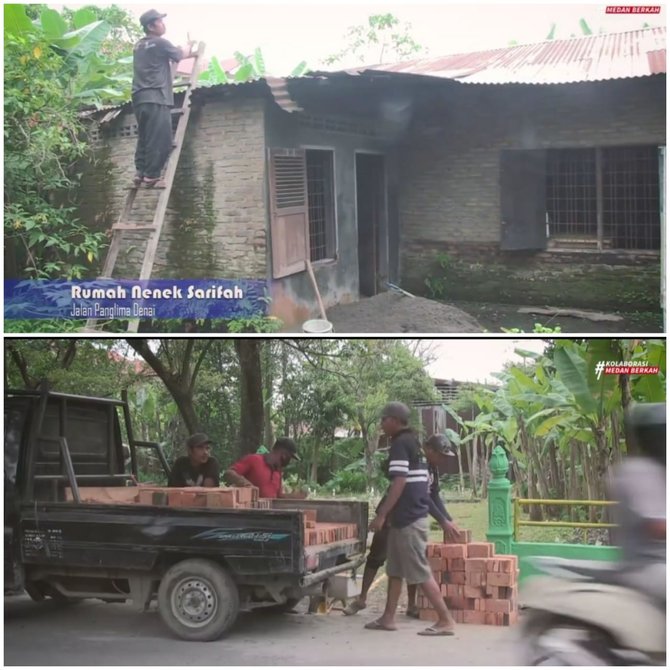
{"points": [[203, 565]]}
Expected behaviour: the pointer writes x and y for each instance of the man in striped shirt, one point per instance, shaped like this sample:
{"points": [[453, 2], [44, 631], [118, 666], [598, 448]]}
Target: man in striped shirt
{"points": [[406, 507]]}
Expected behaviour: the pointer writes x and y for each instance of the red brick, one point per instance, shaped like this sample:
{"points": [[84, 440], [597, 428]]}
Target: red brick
{"points": [[505, 565], [476, 578], [456, 564], [149, 496], [428, 615], [490, 619], [243, 494], [437, 563], [457, 603], [509, 559], [309, 515], [480, 549], [492, 565], [473, 591], [475, 565], [500, 579], [455, 577], [464, 537], [443, 589], [227, 497], [494, 605], [454, 550], [432, 550], [474, 617], [174, 497], [458, 615]]}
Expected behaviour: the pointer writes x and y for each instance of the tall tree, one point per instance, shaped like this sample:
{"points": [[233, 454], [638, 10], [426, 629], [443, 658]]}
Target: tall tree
{"points": [[382, 39], [177, 363], [251, 395]]}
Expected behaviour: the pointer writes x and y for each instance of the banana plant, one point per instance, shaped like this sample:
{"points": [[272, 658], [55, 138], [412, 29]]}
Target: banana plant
{"points": [[84, 73], [249, 68]]}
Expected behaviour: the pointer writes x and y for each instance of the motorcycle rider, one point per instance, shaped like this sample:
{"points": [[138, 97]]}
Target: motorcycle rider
{"points": [[638, 485]]}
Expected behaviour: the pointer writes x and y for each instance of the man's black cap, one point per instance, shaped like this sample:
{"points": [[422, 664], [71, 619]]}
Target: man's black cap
{"points": [[197, 439], [151, 16], [396, 410], [289, 445]]}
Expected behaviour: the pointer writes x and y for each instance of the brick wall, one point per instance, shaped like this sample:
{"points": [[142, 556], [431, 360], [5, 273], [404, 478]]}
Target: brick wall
{"points": [[449, 195], [215, 224]]}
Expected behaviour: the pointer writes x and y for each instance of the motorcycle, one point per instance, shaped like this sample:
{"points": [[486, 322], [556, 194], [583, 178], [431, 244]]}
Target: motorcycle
{"points": [[578, 613]]}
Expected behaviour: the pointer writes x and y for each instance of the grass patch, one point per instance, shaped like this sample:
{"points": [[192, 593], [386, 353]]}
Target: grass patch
{"points": [[474, 516]]}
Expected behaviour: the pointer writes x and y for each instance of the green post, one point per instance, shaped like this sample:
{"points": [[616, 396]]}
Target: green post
{"points": [[501, 530]]}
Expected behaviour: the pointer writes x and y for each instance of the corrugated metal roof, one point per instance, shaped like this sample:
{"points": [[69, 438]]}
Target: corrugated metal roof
{"points": [[637, 53]]}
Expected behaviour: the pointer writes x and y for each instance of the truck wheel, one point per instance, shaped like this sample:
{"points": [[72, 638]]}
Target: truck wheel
{"points": [[198, 600]]}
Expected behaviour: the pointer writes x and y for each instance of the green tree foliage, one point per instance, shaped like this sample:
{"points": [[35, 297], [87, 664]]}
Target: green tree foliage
{"points": [[382, 39], [54, 65], [326, 394], [560, 420], [78, 366]]}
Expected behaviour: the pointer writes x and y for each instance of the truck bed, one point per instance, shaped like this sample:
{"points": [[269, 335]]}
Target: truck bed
{"points": [[133, 536]]}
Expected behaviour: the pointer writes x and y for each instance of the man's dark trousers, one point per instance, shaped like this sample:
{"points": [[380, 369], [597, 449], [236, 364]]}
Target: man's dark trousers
{"points": [[154, 141]]}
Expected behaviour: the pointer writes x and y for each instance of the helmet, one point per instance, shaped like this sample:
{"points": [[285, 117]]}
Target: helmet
{"points": [[645, 429]]}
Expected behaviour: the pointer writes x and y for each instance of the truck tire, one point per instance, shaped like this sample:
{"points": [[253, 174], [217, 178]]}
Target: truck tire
{"points": [[198, 600]]}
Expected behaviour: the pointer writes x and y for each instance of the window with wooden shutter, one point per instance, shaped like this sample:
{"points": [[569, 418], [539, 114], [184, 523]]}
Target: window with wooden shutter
{"points": [[289, 224]]}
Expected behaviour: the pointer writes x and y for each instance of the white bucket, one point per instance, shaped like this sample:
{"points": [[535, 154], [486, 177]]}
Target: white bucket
{"points": [[317, 326]]}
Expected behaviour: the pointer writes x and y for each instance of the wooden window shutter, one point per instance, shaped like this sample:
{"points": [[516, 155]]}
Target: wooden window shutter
{"points": [[289, 220]]}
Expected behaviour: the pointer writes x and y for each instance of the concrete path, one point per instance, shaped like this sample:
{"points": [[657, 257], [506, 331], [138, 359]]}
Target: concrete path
{"points": [[95, 633]]}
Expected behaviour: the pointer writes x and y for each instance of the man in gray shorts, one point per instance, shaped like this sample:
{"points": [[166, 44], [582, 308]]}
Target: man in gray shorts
{"points": [[406, 508]]}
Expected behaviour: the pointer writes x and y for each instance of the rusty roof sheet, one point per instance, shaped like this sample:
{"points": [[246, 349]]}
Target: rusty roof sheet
{"points": [[637, 53]]}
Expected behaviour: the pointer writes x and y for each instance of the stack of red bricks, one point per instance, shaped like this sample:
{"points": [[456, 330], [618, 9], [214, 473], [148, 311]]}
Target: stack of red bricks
{"points": [[198, 496], [478, 586], [326, 533]]}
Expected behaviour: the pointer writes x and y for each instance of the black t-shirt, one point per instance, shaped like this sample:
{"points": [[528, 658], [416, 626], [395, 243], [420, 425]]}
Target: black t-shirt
{"points": [[185, 474], [152, 72], [435, 504], [406, 460]]}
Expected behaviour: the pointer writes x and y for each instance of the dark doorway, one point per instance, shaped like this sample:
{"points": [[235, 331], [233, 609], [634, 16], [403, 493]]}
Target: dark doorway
{"points": [[371, 218]]}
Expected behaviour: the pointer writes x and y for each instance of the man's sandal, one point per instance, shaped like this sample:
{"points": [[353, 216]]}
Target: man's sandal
{"points": [[431, 631], [378, 625]]}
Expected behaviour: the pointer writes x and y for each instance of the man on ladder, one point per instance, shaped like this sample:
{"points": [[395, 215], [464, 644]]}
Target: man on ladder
{"points": [[153, 98]]}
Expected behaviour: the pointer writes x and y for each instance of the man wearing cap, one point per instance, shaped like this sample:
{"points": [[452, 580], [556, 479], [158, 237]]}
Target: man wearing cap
{"points": [[199, 468], [436, 448], [265, 470], [406, 508], [152, 98]]}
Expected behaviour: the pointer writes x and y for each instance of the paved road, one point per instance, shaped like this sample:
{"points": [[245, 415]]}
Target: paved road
{"points": [[94, 633]]}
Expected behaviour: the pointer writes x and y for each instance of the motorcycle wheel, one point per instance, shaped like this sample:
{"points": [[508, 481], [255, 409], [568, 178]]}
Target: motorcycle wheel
{"points": [[557, 641]]}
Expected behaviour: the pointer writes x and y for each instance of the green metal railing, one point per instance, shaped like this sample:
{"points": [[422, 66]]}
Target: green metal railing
{"points": [[518, 521]]}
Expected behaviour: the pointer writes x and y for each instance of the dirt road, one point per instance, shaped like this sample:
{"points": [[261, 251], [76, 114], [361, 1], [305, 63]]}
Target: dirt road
{"points": [[95, 633]]}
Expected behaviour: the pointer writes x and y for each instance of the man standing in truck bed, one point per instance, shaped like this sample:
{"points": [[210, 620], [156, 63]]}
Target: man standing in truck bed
{"points": [[153, 98]]}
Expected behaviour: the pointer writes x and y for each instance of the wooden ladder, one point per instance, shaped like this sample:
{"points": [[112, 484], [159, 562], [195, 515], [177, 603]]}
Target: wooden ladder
{"points": [[124, 223]]}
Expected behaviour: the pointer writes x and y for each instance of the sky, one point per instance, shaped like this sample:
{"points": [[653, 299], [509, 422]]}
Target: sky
{"points": [[291, 32], [473, 360]]}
